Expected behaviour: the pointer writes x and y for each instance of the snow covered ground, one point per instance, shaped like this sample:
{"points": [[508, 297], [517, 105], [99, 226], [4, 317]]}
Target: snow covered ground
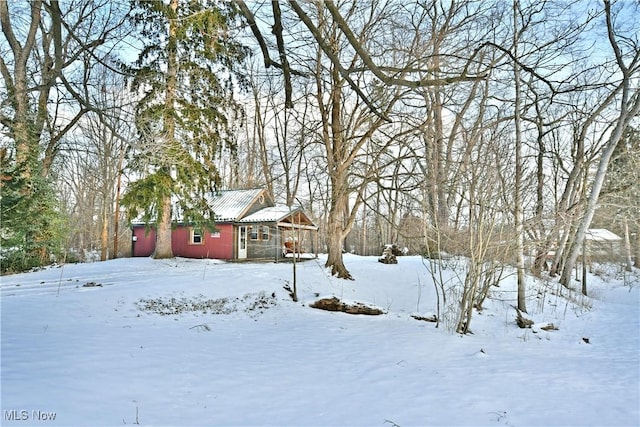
{"points": [[241, 352]]}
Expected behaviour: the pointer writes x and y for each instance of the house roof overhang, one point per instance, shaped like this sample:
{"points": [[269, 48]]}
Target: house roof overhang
{"points": [[284, 216]]}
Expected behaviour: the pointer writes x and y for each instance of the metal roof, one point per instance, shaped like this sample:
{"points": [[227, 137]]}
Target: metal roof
{"points": [[601, 235], [270, 214], [231, 205]]}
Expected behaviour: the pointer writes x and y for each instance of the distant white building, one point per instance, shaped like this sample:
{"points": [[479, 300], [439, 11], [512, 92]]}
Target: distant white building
{"points": [[603, 245], [602, 235]]}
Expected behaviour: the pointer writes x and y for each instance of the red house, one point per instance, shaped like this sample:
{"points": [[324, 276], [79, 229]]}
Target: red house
{"points": [[249, 225]]}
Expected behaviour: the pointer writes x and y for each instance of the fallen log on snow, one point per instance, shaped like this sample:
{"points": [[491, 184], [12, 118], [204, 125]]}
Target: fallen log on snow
{"points": [[334, 304]]}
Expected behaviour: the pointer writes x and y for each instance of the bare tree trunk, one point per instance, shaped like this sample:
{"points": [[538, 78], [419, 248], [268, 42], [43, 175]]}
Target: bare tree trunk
{"points": [[337, 224], [264, 160], [637, 256], [335, 241], [629, 108], [542, 238], [334, 141], [627, 246], [563, 228], [565, 215], [104, 229], [592, 202], [518, 210], [116, 213], [365, 247]]}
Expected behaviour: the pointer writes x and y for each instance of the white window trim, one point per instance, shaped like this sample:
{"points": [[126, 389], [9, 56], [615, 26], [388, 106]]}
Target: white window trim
{"points": [[253, 231], [264, 228], [193, 234]]}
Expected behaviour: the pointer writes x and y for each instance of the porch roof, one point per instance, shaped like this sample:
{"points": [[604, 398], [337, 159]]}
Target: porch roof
{"points": [[293, 216]]}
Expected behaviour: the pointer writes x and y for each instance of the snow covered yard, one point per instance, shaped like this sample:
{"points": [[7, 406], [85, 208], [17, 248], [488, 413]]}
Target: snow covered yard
{"points": [[240, 352]]}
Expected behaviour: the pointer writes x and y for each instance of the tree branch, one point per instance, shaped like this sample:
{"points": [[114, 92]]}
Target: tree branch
{"points": [[268, 62], [248, 15], [523, 66], [334, 59], [371, 66], [286, 70]]}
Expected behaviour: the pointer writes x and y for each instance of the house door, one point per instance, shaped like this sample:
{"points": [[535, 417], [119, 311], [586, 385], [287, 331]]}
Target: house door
{"points": [[242, 242]]}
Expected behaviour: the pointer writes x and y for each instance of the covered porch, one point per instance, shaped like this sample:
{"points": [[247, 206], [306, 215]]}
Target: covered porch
{"points": [[299, 236], [278, 233]]}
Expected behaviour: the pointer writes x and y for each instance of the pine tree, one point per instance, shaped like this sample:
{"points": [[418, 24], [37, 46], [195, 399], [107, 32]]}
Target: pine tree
{"points": [[33, 227], [186, 74]]}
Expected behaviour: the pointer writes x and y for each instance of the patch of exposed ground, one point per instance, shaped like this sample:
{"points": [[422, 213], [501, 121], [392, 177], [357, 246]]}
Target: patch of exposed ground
{"points": [[334, 304], [252, 304]]}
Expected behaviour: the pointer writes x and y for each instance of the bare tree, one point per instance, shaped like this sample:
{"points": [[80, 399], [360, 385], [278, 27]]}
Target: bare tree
{"points": [[627, 108], [351, 63], [518, 213], [44, 69], [66, 36], [487, 240], [108, 134]]}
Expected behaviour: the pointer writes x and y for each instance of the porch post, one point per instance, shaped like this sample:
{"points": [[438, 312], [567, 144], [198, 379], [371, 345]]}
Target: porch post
{"points": [[316, 245], [278, 243]]}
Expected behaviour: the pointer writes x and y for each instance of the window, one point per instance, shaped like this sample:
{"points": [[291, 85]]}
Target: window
{"points": [[264, 232], [253, 231], [196, 236]]}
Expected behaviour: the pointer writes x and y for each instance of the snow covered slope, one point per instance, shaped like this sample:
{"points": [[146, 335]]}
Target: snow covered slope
{"points": [[200, 342]]}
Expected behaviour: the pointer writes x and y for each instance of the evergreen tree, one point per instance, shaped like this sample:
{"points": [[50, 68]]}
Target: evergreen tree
{"points": [[186, 74], [33, 229]]}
